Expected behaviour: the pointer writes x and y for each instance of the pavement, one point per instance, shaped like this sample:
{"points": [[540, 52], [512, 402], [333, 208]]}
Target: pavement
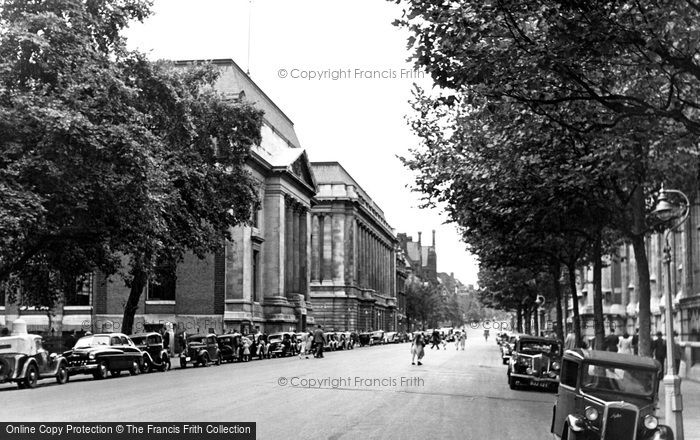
{"points": [[366, 393], [691, 408]]}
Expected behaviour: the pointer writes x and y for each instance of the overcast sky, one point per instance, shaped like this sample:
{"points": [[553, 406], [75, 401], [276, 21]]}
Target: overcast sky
{"points": [[357, 119]]}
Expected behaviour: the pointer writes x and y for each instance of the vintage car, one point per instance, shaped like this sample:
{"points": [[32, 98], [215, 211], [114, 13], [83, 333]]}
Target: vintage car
{"points": [[155, 356], [280, 344], [364, 338], [332, 341], [534, 361], [377, 337], [104, 352], [391, 337], [201, 350], [606, 395], [229, 345], [345, 341], [507, 348], [23, 360]]}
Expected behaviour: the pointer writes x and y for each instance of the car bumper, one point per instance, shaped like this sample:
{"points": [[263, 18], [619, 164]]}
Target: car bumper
{"points": [[82, 369], [536, 380]]}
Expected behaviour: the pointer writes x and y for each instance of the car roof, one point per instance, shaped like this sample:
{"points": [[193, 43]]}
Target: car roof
{"points": [[141, 335], [612, 357], [524, 337]]}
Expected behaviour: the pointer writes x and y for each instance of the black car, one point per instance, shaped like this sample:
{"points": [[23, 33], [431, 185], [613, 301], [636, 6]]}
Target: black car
{"points": [[229, 346], [104, 352], [534, 361], [155, 356], [606, 395], [23, 360], [201, 350]]}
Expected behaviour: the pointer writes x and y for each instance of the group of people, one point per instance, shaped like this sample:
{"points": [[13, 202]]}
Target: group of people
{"points": [[437, 338]]}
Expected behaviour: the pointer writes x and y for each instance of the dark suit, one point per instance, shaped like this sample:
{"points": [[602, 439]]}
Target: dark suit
{"points": [[319, 341]]}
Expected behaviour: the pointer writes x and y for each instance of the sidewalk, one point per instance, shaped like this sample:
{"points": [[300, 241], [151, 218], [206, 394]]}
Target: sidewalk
{"points": [[691, 408]]}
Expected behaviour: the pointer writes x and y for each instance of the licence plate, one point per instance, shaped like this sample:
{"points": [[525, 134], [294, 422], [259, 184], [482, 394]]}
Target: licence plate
{"points": [[187, 359], [540, 384]]}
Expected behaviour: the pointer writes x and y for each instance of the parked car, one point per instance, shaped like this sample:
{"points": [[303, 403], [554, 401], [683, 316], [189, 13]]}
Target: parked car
{"points": [[404, 337], [344, 341], [391, 338], [201, 350], [377, 337], [535, 361], [364, 338], [229, 346], [606, 395], [24, 361], [332, 341], [507, 348], [155, 356], [104, 352], [280, 344]]}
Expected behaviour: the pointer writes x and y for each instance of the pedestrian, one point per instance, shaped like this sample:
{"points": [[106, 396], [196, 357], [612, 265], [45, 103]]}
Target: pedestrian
{"points": [[246, 349], [677, 354], [635, 341], [624, 345], [302, 345], [610, 342], [435, 340], [319, 341], [462, 339], [658, 350], [417, 348], [71, 340], [570, 340], [4, 332]]}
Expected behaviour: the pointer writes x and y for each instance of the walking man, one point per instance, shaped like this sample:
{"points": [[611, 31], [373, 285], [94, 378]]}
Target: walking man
{"points": [[320, 341], [435, 339], [462, 339], [658, 350], [417, 348]]}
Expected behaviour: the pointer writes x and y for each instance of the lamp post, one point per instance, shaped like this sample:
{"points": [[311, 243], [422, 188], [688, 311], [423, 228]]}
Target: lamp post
{"points": [[672, 208]]}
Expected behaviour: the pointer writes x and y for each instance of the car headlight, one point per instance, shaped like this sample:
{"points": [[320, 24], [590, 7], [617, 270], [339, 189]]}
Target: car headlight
{"points": [[591, 413], [650, 422], [529, 370], [91, 355], [555, 365]]}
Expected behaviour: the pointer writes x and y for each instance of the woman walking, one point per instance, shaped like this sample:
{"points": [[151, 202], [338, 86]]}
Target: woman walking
{"points": [[624, 344], [302, 345], [417, 348]]}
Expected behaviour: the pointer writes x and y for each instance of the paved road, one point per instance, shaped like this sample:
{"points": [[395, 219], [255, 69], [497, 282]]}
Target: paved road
{"points": [[454, 395]]}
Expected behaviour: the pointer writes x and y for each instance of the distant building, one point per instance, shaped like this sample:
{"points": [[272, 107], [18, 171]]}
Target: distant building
{"points": [[423, 259], [353, 259]]}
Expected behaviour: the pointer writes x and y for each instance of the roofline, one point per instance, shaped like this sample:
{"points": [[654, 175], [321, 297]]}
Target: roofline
{"points": [[230, 62]]}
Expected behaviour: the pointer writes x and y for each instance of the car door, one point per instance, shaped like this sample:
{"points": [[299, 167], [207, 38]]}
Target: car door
{"points": [[568, 397]]}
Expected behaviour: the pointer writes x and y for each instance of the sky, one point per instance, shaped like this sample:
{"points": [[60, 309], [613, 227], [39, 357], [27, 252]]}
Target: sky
{"points": [[338, 69]]}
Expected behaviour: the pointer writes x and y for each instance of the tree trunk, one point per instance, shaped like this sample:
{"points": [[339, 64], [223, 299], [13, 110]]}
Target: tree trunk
{"points": [[519, 313], [528, 322], [132, 304], [575, 319], [598, 323], [536, 319], [555, 270], [644, 295]]}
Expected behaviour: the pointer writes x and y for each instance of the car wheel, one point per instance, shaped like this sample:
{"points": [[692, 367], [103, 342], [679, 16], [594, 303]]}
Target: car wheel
{"points": [[101, 372], [218, 359], [115, 373], [183, 363], [62, 374], [204, 360], [511, 382], [32, 377], [135, 369], [146, 366]]}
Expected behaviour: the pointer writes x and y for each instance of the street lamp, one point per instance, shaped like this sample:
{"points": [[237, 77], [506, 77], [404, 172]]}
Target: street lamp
{"points": [[672, 208]]}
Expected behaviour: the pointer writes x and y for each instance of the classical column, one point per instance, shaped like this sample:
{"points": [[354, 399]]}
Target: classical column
{"points": [[339, 248], [296, 251], [327, 248], [303, 252], [288, 246], [273, 251], [315, 249]]}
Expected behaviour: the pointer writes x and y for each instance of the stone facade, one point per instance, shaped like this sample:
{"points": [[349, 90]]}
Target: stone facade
{"points": [[353, 256]]}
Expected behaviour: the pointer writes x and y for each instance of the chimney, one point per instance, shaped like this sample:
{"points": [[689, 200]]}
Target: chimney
{"points": [[433, 237], [419, 235]]}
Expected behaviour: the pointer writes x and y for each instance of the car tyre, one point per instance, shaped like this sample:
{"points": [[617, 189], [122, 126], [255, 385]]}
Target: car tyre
{"points": [[147, 365], [511, 382], [218, 359], [32, 377], [62, 375], [204, 361], [101, 372], [135, 369]]}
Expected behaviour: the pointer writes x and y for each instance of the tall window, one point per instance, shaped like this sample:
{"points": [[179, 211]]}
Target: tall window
{"points": [[255, 274], [161, 287], [83, 292]]}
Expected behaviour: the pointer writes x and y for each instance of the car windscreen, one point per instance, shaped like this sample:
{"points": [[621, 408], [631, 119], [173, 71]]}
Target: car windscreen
{"points": [[195, 339], [88, 341], [535, 347], [628, 380]]}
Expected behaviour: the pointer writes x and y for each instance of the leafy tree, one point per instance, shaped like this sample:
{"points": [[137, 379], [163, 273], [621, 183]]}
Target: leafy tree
{"points": [[620, 76], [104, 153]]}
